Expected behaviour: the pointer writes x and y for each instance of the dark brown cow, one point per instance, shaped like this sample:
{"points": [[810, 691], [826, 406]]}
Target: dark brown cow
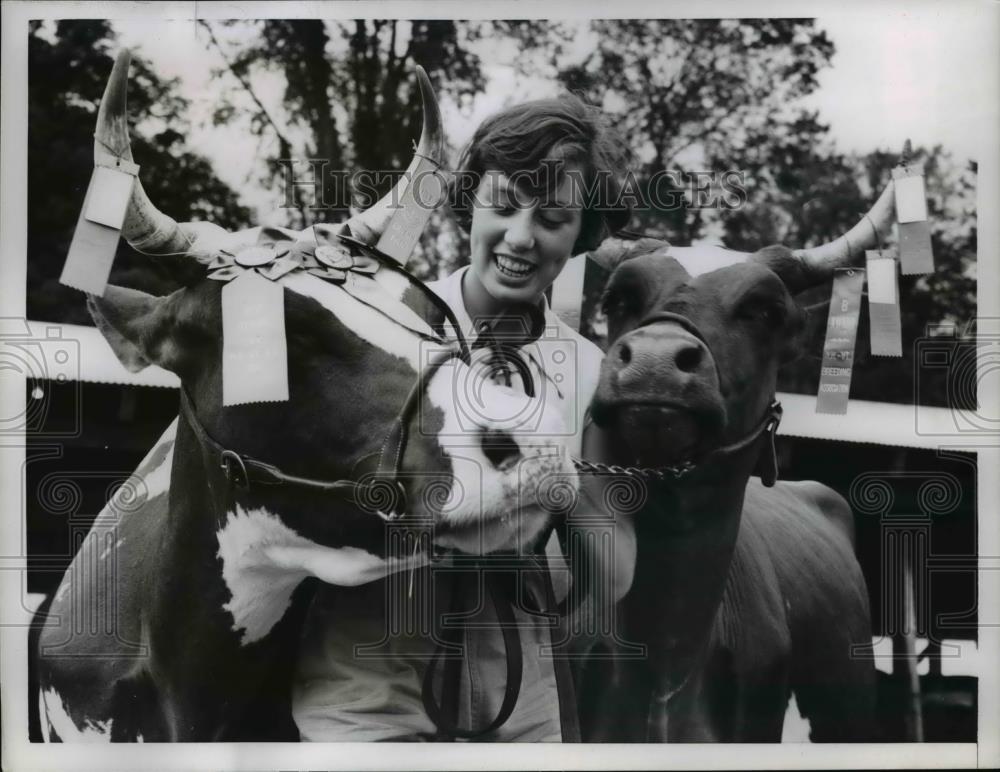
{"points": [[743, 594]]}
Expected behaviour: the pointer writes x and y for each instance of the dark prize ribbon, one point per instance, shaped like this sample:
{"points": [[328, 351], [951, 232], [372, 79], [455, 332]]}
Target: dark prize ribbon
{"points": [[838, 348]]}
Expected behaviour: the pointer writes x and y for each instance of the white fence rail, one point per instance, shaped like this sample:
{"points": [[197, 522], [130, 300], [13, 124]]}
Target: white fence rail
{"points": [[880, 423]]}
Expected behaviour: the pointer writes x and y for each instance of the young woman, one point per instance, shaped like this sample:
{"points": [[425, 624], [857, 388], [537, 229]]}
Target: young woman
{"points": [[537, 184]]}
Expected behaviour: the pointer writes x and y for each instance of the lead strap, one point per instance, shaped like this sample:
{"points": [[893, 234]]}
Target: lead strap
{"points": [[439, 713]]}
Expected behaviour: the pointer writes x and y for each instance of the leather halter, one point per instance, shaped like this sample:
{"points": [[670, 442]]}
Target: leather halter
{"points": [[689, 468], [243, 471]]}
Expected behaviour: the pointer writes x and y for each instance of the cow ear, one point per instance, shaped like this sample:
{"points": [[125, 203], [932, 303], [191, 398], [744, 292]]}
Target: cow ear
{"points": [[612, 252], [790, 269], [139, 327]]}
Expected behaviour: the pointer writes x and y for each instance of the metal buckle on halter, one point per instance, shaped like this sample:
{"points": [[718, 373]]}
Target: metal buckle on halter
{"points": [[777, 411], [682, 469], [236, 473], [398, 508], [769, 474]]}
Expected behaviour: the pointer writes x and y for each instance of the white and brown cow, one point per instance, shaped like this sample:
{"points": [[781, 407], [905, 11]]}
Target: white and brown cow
{"points": [[196, 579], [743, 593]]}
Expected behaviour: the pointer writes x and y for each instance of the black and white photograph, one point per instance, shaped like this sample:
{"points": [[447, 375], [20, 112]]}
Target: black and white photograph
{"points": [[613, 387]]}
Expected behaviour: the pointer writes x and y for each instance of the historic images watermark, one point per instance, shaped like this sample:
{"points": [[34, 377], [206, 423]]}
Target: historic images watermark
{"points": [[309, 183], [48, 362], [967, 359]]}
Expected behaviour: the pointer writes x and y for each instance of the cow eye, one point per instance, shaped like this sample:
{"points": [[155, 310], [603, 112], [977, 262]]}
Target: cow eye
{"points": [[766, 312], [614, 304]]}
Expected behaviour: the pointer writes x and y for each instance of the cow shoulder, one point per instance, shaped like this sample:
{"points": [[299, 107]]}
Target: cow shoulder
{"points": [[801, 529]]}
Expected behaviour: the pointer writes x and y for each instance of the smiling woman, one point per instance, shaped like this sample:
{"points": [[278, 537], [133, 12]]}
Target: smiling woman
{"points": [[527, 196]]}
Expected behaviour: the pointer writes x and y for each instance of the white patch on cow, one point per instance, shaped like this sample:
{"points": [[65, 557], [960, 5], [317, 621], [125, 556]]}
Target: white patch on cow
{"points": [[505, 499], [263, 561], [43, 715], [112, 547], [367, 323], [470, 404], [393, 283], [143, 485], [705, 258], [157, 481], [58, 719], [795, 728], [63, 588]]}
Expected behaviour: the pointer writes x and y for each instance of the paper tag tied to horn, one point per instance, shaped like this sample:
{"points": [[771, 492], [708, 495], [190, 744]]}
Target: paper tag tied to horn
{"points": [[838, 348], [883, 305], [915, 254], [95, 240]]}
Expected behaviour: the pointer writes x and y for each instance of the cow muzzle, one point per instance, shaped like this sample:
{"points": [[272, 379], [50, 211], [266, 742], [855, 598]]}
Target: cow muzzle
{"points": [[659, 391]]}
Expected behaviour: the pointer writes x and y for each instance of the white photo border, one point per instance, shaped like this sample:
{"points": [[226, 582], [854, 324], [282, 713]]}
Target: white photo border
{"points": [[18, 754]]}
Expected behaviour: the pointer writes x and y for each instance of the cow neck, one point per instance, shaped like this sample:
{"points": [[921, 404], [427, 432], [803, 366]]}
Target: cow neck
{"points": [[193, 651], [686, 539]]}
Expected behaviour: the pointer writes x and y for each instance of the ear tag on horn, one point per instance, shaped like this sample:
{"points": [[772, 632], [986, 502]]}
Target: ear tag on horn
{"points": [[254, 350], [911, 213], [425, 192], [838, 348], [95, 240], [883, 305]]}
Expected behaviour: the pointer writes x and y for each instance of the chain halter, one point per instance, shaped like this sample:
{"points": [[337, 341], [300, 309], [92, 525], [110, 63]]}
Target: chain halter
{"points": [[684, 470]]}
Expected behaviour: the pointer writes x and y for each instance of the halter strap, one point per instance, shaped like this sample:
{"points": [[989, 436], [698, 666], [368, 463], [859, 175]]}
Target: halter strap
{"points": [[691, 468], [445, 714], [242, 470]]}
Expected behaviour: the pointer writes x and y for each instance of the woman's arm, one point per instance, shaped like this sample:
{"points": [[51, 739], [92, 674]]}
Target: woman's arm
{"points": [[599, 544]]}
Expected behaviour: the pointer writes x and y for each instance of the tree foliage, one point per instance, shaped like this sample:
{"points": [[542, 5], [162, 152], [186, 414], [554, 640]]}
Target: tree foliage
{"points": [[349, 92], [68, 66], [689, 96], [712, 96]]}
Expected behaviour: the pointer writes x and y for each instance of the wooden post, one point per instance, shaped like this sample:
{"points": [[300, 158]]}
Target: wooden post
{"points": [[904, 668]]}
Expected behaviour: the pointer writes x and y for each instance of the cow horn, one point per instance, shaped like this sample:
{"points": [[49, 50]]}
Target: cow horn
{"points": [[146, 228], [818, 263], [369, 225]]}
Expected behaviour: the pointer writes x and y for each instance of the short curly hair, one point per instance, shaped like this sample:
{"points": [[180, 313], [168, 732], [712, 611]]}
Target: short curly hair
{"points": [[563, 129]]}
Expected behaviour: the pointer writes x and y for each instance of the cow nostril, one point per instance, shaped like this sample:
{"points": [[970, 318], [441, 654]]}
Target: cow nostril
{"points": [[624, 353], [500, 448], [688, 359]]}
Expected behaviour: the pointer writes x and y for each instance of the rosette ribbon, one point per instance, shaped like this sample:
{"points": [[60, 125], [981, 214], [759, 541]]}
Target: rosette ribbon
{"points": [[331, 262]]}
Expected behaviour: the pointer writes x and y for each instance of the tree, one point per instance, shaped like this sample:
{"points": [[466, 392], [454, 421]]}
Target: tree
{"points": [[718, 95], [68, 64], [929, 303], [350, 98], [689, 95]]}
